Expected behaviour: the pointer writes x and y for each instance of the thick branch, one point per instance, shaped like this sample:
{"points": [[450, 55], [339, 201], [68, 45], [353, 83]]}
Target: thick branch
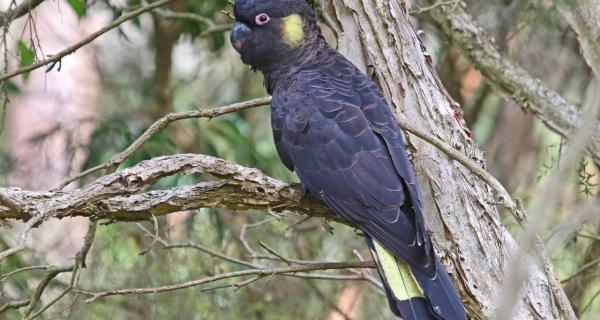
{"points": [[559, 115], [116, 197]]}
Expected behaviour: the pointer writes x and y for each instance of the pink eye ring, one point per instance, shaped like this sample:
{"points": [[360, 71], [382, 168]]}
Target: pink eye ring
{"points": [[262, 19]]}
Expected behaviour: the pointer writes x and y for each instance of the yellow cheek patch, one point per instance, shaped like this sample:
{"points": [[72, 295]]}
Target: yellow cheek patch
{"points": [[293, 30]]}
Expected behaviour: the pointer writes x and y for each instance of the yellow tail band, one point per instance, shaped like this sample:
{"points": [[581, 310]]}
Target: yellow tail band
{"points": [[397, 274]]}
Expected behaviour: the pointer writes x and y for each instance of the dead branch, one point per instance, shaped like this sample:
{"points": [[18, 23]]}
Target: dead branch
{"points": [[558, 114], [114, 197], [291, 270]]}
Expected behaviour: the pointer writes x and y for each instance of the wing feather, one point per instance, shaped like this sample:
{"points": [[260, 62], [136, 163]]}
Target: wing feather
{"points": [[333, 127]]}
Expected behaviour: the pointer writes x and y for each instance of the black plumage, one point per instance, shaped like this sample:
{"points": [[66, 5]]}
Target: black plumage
{"points": [[333, 128]]}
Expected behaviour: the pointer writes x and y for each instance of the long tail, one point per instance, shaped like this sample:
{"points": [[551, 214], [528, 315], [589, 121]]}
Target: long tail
{"points": [[413, 296]]}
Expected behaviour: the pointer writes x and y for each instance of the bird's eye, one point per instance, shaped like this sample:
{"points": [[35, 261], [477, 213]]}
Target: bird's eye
{"points": [[262, 19]]}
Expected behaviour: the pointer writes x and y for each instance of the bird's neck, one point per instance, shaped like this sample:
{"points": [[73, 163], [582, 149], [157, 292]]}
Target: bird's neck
{"points": [[293, 62]]}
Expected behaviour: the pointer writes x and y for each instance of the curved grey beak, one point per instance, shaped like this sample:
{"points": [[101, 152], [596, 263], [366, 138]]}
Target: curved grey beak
{"points": [[239, 33]]}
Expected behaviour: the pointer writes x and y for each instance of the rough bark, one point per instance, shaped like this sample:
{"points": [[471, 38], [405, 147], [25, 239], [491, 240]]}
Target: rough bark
{"points": [[116, 196], [460, 209], [558, 114]]}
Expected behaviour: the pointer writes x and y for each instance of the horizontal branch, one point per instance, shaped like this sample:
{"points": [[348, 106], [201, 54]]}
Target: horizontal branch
{"points": [[117, 196], [291, 270], [558, 114], [14, 305]]}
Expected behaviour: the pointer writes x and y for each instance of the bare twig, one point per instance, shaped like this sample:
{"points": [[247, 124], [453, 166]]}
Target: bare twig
{"points": [[185, 16], [14, 305], [79, 263], [263, 272], [273, 252], [211, 27], [245, 228], [154, 236], [56, 58], [581, 270], [52, 273], [22, 237], [196, 246], [5, 276], [278, 257], [211, 252], [235, 286], [210, 113], [9, 252], [435, 5], [358, 275], [215, 29]]}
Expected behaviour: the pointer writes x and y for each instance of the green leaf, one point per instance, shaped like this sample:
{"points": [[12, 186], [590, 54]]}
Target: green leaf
{"points": [[27, 57], [12, 88], [78, 6]]}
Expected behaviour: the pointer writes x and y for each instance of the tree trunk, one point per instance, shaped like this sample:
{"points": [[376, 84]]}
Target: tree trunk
{"points": [[460, 209]]}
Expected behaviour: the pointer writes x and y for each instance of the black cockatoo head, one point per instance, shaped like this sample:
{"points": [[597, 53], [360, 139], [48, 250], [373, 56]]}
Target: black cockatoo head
{"points": [[269, 32]]}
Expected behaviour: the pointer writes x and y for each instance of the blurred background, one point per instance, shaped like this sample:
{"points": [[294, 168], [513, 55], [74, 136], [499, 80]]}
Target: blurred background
{"points": [[97, 101]]}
